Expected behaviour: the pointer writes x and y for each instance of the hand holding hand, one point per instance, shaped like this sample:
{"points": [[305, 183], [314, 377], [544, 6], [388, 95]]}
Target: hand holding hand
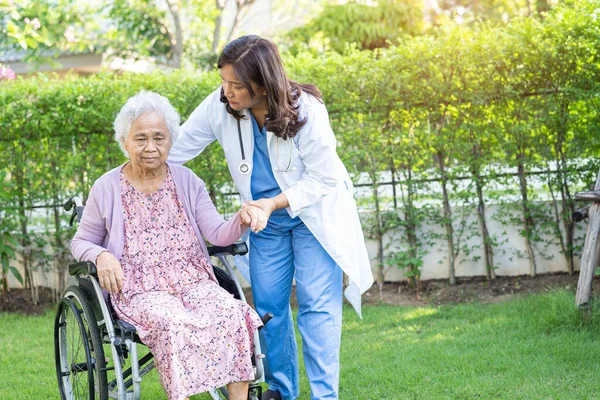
{"points": [[267, 205], [110, 272], [253, 217]]}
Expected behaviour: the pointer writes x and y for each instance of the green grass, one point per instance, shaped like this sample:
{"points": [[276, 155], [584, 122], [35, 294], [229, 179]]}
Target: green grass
{"points": [[537, 347]]}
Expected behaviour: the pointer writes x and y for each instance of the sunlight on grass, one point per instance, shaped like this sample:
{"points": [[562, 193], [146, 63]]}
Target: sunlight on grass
{"points": [[419, 312], [438, 337]]}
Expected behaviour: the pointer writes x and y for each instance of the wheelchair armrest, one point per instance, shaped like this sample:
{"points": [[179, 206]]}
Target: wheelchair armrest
{"points": [[234, 249], [82, 267]]}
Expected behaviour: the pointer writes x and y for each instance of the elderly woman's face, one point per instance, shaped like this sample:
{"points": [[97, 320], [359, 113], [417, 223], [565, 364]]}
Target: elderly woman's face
{"points": [[149, 141]]}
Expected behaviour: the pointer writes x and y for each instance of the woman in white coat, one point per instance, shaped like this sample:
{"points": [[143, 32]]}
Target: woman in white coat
{"points": [[281, 153]]}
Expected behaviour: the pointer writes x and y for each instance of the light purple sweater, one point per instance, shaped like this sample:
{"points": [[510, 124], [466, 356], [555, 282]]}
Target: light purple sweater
{"points": [[102, 226]]}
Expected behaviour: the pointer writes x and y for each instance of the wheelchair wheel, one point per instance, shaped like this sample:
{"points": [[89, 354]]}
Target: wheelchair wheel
{"points": [[79, 355]]}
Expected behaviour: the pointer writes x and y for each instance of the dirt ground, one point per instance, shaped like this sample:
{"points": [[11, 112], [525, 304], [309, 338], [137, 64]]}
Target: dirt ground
{"points": [[473, 289], [19, 301], [434, 292]]}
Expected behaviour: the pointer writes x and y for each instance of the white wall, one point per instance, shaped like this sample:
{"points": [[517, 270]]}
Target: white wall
{"points": [[506, 257]]}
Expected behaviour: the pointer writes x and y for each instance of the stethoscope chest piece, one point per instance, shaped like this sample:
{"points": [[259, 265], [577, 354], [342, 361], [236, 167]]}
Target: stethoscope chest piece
{"points": [[244, 165], [244, 168]]}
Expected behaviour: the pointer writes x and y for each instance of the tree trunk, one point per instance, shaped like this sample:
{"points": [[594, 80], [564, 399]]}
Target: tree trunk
{"points": [[177, 42], [557, 221], [487, 242], [528, 222], [447, 218], [568, 207], [410, 228], [58, 244], [218, 23], [411, 232], [542, 6], [35, 294], [394, 194], [4, 282], [19, 173], [216, 34], [242, 7], [378, 234], [24, 242]]}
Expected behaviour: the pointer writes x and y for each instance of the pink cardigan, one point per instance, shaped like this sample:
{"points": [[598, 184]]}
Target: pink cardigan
{"points": [[102, 226]]}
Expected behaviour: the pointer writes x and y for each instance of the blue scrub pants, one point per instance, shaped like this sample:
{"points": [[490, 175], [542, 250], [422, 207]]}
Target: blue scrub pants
{"points": [[284, 248]]}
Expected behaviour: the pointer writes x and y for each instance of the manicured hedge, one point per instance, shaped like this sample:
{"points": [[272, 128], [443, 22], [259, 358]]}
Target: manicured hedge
{"points": [[458, 120]]}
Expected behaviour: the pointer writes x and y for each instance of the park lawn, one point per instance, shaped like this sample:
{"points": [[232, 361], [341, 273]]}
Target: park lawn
{"points": [[536, 347]]}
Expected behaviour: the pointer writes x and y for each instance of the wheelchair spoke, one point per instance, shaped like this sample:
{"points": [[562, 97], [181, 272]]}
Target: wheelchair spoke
{"points": [[77, 388], [74, 352]]}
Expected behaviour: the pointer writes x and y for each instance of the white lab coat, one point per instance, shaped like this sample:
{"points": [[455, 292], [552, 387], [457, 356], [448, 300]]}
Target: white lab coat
{"points": [[316, 184]]}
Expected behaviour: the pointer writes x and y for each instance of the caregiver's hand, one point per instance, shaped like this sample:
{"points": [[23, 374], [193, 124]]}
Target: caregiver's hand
{"points": [[254, 218], [110, 272], [268, 205]]}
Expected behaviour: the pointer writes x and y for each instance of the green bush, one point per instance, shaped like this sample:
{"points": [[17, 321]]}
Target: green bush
{"points": [[457, 120]]}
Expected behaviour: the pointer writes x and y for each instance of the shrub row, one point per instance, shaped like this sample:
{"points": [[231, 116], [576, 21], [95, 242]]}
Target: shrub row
{"points": [[447, 118]]}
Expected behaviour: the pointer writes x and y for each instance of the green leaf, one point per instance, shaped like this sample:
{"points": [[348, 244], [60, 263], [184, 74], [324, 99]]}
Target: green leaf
{"points": [[5, 263], [12, 240], [31, 43], [12, 29], [16, 274], [9, 252]]}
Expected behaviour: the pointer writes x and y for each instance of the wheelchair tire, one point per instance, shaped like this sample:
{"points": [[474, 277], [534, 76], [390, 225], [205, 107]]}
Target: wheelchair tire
{"points": [[79, 355]]}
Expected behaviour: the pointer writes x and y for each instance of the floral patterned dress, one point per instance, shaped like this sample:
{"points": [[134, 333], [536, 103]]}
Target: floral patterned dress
{"points": [[201, 337]]}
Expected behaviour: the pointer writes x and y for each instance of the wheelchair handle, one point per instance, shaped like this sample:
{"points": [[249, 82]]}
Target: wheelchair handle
{"points": [[234, 249], [74, 203]]}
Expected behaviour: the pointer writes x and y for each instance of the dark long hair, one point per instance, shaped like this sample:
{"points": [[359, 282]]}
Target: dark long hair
{"points": [[257, 60]]}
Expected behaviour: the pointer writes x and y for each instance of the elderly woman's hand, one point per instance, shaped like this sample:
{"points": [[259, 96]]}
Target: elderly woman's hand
{"points": [[270, 204], [110, 272], [253, 217]]}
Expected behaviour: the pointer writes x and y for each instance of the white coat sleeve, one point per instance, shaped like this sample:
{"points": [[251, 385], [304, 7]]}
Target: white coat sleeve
{"points": [[317, 145], [195, 134]]}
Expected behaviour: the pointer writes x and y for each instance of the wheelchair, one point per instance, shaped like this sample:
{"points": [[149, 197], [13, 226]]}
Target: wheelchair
{"points": [[96, 354]]}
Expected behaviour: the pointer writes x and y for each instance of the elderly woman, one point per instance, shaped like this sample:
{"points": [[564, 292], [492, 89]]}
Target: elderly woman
{"points": [[143, 227]]}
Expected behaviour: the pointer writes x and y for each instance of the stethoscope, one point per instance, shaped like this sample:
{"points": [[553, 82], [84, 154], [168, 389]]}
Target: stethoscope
{"points": [[245, 165]]}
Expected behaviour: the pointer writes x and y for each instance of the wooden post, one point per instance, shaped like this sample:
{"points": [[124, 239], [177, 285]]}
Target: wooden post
{"points": [[589, 256]]}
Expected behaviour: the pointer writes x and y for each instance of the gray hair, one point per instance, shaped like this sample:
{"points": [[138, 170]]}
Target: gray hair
{"points": [[139, 104]]}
